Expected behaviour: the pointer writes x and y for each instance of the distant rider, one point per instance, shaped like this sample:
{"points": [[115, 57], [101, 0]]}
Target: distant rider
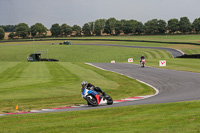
{"points": [[142, 58], [91, 87]]}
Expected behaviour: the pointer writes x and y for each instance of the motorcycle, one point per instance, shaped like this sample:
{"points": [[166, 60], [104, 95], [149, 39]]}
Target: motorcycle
{"points": [[142, 62], [94, 98]]}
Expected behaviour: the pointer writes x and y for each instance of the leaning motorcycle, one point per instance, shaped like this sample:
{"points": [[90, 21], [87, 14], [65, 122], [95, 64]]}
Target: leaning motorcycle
{"points": [[142, 62], [94, 98]]}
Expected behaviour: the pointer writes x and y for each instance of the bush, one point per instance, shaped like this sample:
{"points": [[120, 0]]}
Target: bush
{"points": [[11, 35]]}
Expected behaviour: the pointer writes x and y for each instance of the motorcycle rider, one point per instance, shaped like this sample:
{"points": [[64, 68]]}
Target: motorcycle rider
{"points": [[91, 87], [142, 58]]}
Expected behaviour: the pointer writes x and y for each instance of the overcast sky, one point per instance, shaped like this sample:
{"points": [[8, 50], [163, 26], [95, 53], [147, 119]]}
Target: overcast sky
{"points": [[79, 12]]}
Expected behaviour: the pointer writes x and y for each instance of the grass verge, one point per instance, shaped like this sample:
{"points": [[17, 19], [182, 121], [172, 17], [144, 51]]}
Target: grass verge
{"points": [[183, 117]]}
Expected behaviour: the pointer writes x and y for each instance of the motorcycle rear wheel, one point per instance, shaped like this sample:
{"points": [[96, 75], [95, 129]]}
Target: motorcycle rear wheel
{"points": [[109, 100]]}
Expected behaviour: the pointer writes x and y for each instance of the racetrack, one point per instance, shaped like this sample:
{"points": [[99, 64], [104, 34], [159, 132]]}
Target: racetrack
{"points": [[173, 86]]}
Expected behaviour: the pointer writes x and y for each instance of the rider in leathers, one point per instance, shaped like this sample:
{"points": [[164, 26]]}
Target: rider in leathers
{"points": [[142, 58], [91, 87]]}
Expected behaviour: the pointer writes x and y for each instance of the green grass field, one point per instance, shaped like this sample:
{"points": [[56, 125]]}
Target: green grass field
{"points": [[188, 49], [195, 38], [75, 53], [37, 85], [183, 117]]}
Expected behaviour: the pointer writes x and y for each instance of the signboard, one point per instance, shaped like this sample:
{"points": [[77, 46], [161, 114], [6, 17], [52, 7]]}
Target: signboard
{"points": [[162, 63], [130, 60], [113, 61]]}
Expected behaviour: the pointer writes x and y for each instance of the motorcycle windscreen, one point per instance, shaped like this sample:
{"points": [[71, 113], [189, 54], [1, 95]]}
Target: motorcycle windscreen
{"points": [[91, 92]]}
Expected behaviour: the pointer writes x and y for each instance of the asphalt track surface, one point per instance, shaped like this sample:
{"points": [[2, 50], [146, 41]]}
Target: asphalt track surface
{"points": [[173, 86]]}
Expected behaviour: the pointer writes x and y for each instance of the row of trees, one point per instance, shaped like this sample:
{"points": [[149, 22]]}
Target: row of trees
{"points": [[154, 26], [23, 30], [110, 26], [65, 30], [8, 28], [39, 30]]}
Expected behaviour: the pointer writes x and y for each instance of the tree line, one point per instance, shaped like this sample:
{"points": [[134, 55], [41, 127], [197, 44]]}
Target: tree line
{"points": [[109, 26]]}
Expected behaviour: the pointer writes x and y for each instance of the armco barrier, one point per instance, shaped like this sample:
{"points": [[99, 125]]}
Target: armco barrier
{"points": [[197, 56]]}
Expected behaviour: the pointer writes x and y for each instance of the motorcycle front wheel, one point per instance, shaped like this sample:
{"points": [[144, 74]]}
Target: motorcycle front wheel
{"points": [[142, 64], [91, 100]]}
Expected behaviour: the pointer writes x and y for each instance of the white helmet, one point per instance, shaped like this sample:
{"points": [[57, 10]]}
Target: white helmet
{"points": [[84, 83]]}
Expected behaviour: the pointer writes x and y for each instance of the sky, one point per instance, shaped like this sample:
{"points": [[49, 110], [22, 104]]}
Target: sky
{"points": [[79, 12]]}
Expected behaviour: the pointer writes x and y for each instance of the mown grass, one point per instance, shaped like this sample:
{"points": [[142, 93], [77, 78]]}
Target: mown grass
{"points": [[40, 85], [37, 85], [192, 38], [76, 53], [183, 117], [188, 49], [195, 38]]}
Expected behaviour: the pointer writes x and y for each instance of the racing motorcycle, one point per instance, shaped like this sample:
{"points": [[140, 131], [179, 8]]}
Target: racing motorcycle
{"points": [[94, 98], [142, 62]]}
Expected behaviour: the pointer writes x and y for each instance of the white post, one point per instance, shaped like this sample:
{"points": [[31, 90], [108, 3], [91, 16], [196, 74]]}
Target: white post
{"points": [[34, 45]]}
